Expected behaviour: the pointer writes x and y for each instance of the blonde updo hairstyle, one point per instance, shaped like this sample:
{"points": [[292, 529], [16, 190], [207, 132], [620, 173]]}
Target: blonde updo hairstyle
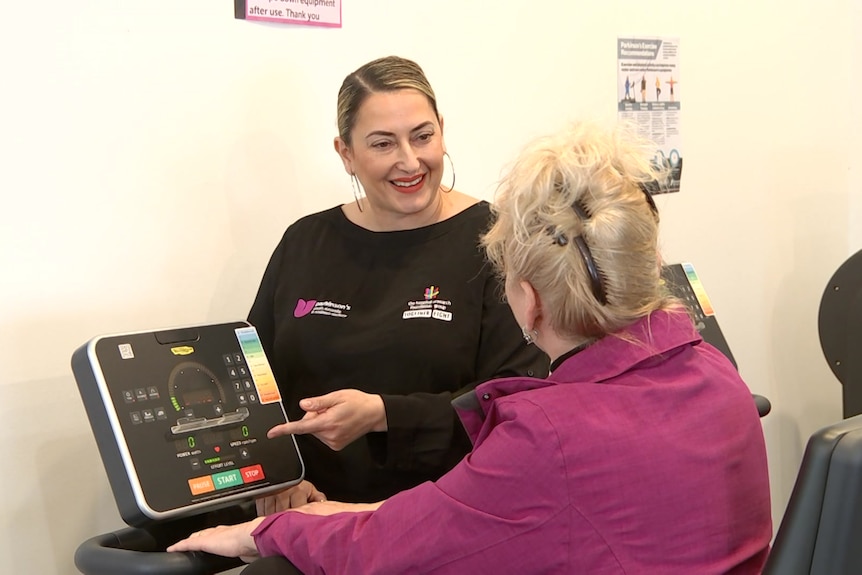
{"points": [[604, 173], [387, 74]]}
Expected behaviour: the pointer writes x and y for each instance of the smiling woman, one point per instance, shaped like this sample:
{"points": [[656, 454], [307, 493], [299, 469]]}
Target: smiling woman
{"points": [[391, 143], [396, 152], [374, 313]]}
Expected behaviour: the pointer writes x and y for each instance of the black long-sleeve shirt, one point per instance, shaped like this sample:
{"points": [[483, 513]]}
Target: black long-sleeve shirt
{"points": [[412, 315]]}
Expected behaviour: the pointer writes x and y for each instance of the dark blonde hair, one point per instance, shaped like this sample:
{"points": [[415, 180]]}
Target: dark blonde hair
{"points": [[382, 75], [586, 185]]}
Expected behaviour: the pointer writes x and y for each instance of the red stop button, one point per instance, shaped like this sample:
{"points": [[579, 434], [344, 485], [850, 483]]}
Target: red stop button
{"points": [[252, 474]]}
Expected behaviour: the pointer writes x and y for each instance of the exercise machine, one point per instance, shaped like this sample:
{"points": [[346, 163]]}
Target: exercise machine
{"points": [[839, 325]]}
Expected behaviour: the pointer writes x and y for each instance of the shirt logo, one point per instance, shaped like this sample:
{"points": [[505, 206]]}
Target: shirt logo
{"points": [[315, 307], [303, 307], [429, 307]]}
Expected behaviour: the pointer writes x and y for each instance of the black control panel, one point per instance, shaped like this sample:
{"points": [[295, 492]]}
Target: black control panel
{"points": [[684, 283], [180, 417]]}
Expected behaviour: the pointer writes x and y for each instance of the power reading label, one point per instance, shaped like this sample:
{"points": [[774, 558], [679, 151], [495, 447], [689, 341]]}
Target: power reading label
{"points": [[258, 365]]}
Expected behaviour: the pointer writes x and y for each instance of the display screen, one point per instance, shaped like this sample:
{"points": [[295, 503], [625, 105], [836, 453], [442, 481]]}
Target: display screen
{"points": [[197, 397]]}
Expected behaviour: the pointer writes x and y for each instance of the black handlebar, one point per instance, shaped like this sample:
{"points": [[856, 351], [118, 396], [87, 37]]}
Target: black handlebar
{"points": [[141, 550], [763, 405], [133, 551]]}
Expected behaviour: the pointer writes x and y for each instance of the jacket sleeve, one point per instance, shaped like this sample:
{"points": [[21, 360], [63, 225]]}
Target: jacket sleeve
{"points": [[424, 432], [483, 516]]}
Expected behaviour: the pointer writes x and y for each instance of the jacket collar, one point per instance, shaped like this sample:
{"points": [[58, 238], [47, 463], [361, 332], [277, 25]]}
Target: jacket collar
{"points": [[648, 341]]}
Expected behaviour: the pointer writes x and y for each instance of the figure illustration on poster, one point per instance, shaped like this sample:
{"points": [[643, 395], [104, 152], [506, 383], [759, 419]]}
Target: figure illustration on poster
{"points": [[672, 82]]}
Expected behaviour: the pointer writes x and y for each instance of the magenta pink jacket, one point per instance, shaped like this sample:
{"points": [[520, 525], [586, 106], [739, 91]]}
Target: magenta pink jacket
{"points": [[630, 458]]}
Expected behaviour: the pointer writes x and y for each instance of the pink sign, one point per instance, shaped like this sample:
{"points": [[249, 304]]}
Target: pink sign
{"points": [[300, 12]]}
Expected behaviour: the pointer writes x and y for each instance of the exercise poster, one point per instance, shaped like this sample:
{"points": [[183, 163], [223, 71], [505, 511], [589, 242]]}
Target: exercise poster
{"points": [[648, 96], [299, 12]]}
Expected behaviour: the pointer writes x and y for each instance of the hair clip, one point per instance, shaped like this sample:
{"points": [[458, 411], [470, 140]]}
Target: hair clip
{"points": [[650, 188], [595, 276], [596, 284], [581, 209], [558, 238]]}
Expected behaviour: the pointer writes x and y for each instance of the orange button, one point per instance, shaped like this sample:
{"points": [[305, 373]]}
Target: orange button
{"points": [[252, 474], [200, 485]]}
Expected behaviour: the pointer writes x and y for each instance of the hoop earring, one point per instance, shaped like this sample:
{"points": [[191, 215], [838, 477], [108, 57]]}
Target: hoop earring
{"points": [[451, 163], [357, 191], [529, 336]]}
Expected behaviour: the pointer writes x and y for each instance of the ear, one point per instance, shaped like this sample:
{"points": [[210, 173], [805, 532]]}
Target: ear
{"points": [[345, 153], [442, 139], [532, 304]]}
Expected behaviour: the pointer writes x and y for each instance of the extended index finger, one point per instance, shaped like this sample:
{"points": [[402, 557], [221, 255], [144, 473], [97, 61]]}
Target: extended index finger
{"points": [[301, 427]]}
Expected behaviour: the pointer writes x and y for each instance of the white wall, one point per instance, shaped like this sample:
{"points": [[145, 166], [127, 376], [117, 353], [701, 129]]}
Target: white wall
{"points": [[151, 154], [855, 121]]}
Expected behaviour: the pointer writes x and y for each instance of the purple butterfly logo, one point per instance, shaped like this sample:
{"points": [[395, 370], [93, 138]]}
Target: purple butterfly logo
{"points": [[303, 307]]}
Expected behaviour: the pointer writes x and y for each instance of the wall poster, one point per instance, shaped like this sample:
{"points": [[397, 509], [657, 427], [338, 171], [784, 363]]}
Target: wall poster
{"points": [[648, 96]]}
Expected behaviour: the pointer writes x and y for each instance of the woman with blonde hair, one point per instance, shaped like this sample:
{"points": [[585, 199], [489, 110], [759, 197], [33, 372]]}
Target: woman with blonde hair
{"points": [[642, 452]]}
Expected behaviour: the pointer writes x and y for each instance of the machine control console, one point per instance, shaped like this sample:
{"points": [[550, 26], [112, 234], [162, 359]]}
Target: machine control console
{"points": [[180, 417]]}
